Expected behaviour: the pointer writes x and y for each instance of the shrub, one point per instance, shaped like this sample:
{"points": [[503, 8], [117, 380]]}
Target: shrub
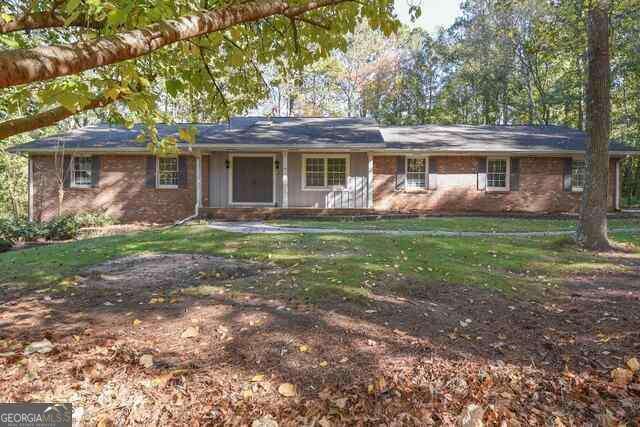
{"points": [[5, 245], [62, 228], [14, 229], [94, 219]]}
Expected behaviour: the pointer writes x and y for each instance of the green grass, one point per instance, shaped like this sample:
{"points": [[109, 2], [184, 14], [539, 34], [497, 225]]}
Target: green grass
{"points": [[329, 265], [454, 224]]}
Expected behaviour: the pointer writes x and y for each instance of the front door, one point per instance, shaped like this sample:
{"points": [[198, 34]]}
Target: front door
{"points": [[253, 180]]}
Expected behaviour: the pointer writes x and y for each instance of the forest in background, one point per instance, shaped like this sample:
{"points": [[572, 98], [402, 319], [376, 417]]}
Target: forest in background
{"points": [[501, 62]]}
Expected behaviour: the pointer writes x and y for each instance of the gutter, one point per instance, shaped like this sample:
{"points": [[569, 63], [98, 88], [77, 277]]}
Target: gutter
{"points": [[375, 149]]}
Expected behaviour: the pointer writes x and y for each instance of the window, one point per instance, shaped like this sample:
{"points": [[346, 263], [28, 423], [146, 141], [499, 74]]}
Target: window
{"points": [[416, 173], [336, 172], [322, 172], [577, 175], [315, 172], [498, 174], [81, 172], [167, 172]]}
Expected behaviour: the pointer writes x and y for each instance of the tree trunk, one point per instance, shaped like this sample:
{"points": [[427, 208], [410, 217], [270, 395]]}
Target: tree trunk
{"points": [[592, 229]]}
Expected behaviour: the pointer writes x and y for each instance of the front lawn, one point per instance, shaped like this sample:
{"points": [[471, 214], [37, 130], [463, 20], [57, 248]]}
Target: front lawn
{"points": [[189, 325], [327, 264], [475, 224]]}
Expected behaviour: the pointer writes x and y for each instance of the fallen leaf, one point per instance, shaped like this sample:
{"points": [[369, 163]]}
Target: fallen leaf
{"points": [[266, 421], [190, 332], [247, 393], [287, 390], [147, 361], [257, 378], [303, 348], [621, 376], [341, 403], [471, 416], [633, 364], [44, 346], [106, 422], [324, 364], [136, 322]]}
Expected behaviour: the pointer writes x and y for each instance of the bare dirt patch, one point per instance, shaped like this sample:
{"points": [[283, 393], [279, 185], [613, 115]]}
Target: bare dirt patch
{"points": [[168, 270]]}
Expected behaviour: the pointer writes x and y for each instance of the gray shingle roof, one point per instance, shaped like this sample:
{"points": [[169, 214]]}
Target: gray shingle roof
{"points": [[258, 131], [489, 138], [335, 133]]}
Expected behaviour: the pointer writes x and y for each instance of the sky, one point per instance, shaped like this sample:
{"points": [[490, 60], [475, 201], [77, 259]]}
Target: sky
{"points": [[435, 13]]}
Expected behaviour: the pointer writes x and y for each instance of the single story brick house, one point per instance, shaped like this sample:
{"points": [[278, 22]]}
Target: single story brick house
{"points": [[328, 165]]}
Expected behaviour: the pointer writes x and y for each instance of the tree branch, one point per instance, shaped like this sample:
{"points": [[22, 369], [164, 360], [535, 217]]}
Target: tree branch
{"points": [[216, 85], [21, 66], [48, 118]]}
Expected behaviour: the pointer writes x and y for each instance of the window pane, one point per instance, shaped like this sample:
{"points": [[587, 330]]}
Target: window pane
{"points": [[497, 173], [336, 172], [315, 172], [416, 173], [578, 173], [168, 171], [82, 170]]}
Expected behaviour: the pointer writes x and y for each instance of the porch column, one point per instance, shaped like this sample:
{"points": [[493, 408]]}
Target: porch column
{"points": [[285, 180], [30, 188], [370, 182], [198, 183], [618, 184]]}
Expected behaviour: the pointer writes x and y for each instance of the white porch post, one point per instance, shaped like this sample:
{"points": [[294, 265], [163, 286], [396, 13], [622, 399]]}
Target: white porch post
{"points": [[618, 184], [198, 183], [285, 179], [370, 182], [30, 188]]}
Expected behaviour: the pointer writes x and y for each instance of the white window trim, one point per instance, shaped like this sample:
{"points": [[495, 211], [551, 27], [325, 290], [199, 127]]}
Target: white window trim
{"points": [[507, 186], [574, 188], [426, 173], [167, 187], [72, 172], [326, 172]]}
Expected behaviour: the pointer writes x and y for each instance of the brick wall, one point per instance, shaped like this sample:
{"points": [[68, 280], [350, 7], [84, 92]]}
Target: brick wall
{"points": [[121, 192], [541, 188]]}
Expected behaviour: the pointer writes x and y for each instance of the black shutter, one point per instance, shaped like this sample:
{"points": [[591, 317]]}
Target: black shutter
{"points": [[66, 171], [482, 173], [432, 184], [514, 179], [400, 173], [567, 184], [182, 171], [95, 171], [150, 177]]}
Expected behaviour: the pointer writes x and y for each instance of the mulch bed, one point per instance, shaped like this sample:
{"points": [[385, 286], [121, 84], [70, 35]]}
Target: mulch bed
{"points": [[419, 354]]}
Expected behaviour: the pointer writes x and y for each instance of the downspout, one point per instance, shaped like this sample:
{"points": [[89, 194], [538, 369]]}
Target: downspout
{"points": [[30, 188], [196, 212], [618, 185]]}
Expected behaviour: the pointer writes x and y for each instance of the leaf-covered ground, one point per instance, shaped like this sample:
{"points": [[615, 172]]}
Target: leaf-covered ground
{"points": [[189, 326]]}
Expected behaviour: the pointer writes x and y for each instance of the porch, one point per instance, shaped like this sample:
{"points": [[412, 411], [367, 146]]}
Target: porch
{"points": [[265, 185]]}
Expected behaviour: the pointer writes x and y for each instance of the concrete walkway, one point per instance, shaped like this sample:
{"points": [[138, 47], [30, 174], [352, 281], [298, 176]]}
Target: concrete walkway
{"points": [[262, 228]]}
